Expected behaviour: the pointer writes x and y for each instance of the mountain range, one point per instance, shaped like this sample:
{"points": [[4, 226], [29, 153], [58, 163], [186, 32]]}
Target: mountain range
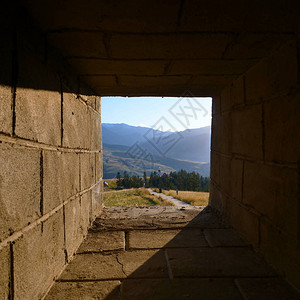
{"points": [[136, 149]]}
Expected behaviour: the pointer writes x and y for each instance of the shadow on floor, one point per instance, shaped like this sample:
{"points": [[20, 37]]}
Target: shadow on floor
{"points": [[167, 253]]}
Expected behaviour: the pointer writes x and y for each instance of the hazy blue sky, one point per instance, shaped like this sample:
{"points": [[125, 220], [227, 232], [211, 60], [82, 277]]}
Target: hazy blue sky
{"points": [[174, 113]]}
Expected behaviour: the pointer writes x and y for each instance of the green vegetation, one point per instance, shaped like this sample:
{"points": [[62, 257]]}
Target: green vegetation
{"points": [[133, 197], [181, 180]]}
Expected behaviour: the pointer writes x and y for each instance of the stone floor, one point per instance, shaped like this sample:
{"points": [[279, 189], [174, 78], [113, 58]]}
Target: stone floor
{"points": [[166, 253]]}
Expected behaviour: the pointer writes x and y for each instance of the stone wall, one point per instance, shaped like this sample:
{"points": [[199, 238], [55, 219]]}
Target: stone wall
{"points": [[51, 162], [255, 157]]}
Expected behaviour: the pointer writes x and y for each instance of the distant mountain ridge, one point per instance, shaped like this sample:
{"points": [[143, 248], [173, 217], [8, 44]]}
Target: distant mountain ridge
{"points": [[191, 144]]}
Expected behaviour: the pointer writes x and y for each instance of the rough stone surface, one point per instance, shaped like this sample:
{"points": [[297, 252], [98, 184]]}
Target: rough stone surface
{"points": [[20, 184], [101, 290], [61, 178], [76, 124], [247, 132], [5, 272], [143, 239], [73, 233], [179, 289], [6, 111], [103, 241], [38, 257], [223, 238], [279, 189], [93, 266], [266, 288], [217, 262], [87, 170], [33, 120], [156, 218], [180, 267]]}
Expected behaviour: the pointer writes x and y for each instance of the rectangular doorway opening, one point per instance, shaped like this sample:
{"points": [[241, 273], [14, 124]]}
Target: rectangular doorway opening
{"points": [[156, 150]]}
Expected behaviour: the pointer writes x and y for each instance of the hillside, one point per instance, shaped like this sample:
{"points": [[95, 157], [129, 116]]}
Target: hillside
{"points": [[188, 150], [117, 158], [191, 145]]}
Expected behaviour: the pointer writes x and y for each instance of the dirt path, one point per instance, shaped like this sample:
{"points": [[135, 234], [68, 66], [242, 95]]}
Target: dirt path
{"points": [[175, 201]]}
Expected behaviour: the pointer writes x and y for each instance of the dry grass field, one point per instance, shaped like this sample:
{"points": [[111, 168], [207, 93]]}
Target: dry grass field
{"points": [[193, 198], [133, 197]]}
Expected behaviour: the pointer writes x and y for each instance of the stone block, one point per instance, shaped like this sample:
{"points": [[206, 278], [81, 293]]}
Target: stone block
{"points": [[38, 115], [238, 92], [112, 67], [99, 165], [108, 290], [38, 258], [76, 122], [215, 167], [5, 273], [282, 130], [5, 111], [236, 178], [281, 251], [244, 222], [171, 46], [103, 241], [223, 238], [88, 44], [210, 67], [273, 191], [158, 81], [145, 239], [97, 200], [225, 173], [133, 264], [73, 232], [216, 105], [20, 188], [178, 289], [87, 170], [273, 76], [226, 99], [217, 198], [85, 218], [217, 262], [61, 178], [93, 266], [96, 132], [266, 288], [247, 132], [221, 133], [144, 264], [98, 104]]}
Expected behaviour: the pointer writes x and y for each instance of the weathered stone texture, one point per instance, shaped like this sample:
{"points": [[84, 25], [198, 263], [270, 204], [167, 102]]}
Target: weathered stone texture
{"points": [[60, 179], [38, 258], [223, 237], [73, 234], [166, 239], [6, 109], [281, 124], [5, 272], [76, 122], [273, 192], [247, 132], [103, 241], [274, 75], [87, 170], [20, 188], [33, 120], [101, 290]]}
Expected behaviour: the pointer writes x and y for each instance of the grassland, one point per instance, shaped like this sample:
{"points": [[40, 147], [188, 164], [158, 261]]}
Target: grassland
{"points": [[193, 198], [133, 197]]}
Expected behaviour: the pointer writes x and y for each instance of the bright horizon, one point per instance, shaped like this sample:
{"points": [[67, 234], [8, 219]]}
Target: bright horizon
{"points": [[163, 113]]}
